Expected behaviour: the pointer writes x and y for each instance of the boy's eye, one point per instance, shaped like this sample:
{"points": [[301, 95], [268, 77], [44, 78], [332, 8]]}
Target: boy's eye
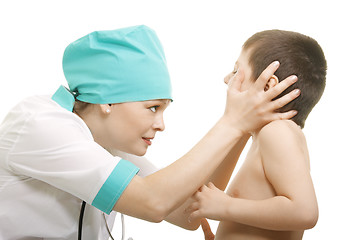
{"points": [[153, 109]]}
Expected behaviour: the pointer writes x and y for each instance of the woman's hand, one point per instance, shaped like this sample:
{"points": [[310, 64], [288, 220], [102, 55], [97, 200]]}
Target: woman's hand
{"points": [[253, 108], [210, 202]]}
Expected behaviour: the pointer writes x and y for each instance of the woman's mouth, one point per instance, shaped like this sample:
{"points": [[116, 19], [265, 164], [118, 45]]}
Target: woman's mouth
{"points": [[148, 141]]}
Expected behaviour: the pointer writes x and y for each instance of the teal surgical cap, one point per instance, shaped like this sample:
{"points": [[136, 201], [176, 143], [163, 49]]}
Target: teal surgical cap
{"points": [[123, 65]]}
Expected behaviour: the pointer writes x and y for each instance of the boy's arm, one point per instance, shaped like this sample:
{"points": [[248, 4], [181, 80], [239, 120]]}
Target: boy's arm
{"points": [[285, 165], [220, 178]]}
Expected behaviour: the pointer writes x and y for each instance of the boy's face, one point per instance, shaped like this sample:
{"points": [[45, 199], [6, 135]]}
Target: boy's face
{"points": [[132, 126], [242, 64]]}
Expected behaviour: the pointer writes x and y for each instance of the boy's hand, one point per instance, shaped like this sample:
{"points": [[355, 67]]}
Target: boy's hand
{"points": [[210, 202], [251, 109], [207, 230]]}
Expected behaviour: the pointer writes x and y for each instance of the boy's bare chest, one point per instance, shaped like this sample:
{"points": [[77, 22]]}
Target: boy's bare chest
{"points": [[250, 181]]}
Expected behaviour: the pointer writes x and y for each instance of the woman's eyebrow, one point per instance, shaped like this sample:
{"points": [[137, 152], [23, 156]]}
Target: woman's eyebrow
{"points": [[165, 101], [162, 101]]}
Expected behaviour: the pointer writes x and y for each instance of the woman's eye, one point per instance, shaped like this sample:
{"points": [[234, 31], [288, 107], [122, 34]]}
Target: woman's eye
{"points": [[153, 109]]}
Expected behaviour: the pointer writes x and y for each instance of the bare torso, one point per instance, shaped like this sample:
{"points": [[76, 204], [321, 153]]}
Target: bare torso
{"points": [[251, 183]]}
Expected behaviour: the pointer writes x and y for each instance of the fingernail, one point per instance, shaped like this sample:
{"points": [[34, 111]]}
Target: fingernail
{"points": [[276, 63], [294, 78], [297, 91]]}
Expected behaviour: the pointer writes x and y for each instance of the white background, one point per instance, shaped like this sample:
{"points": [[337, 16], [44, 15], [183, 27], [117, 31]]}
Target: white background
{"points": [[202, 40]]}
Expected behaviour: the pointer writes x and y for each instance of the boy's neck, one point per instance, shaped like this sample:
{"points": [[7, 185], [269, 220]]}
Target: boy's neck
{"points": [[256, 132]]}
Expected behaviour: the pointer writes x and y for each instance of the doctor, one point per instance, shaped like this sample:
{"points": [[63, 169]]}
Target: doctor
{"points": [[60, 169]]}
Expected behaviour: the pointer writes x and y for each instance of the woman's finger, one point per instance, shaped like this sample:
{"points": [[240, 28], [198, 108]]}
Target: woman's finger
{"points": [[279, 88], [279, 103], [236, 81], [264, 77], [285, 115]]}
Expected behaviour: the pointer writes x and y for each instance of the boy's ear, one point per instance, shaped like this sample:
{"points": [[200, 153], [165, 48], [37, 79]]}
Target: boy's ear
{"points": [[272, 82]]}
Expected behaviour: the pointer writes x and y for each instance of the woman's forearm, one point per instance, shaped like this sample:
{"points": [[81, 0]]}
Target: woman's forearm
{"points": [[220, 178], [178, 181], [154, 197]]}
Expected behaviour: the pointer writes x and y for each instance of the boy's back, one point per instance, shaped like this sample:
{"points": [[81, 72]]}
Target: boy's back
{"points": [[275, 173]]}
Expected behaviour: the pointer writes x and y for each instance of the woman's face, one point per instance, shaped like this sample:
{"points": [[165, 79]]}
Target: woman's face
{"points": [[131, 126]]}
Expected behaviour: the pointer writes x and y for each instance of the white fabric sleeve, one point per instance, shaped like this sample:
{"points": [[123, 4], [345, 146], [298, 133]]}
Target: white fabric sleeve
{"points": [[58, 148], [146, 167]]}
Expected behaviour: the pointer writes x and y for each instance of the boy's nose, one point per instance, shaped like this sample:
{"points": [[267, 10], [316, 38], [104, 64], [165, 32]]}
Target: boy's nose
{"points": [[227, 78]]}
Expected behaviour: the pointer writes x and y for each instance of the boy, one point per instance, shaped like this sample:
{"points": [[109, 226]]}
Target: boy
{"points": [[272, 196]]}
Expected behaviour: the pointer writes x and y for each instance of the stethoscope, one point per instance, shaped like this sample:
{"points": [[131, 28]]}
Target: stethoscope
{"points": [[107, 227]]}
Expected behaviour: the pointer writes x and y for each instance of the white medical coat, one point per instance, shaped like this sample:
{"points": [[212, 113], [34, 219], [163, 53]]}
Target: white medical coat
{"points": [[49, 164]]}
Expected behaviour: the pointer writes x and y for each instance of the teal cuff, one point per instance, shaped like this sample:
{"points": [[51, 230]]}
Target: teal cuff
{"points": [[114, 186]]}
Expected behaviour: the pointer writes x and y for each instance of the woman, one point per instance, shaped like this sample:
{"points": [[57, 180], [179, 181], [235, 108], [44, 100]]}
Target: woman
{"points": [[58, 151]]}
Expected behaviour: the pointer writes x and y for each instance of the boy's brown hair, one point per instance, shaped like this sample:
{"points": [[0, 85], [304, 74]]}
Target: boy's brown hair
{"points": [[298, 55]]}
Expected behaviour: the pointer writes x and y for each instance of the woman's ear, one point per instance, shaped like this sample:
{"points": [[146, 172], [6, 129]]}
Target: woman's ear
{"points": [[105, 108], [272, 82]]}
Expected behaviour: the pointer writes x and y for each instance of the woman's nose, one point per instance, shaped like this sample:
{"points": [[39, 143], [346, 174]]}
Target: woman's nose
{"points": [[159, 124]]}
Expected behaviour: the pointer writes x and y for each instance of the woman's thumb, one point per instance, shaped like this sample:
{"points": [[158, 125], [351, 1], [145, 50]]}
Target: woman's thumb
{"points": [[236, 81]]}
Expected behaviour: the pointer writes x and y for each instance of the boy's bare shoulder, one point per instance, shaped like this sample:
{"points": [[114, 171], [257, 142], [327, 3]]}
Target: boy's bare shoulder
{"points": [[281, 130], [282, 143]]}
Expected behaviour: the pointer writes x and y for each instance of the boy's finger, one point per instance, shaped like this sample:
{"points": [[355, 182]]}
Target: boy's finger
{"points": [[194, 216], [200, 189], [279, 88], [264, 77], [192, 207], [212, 186]]}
